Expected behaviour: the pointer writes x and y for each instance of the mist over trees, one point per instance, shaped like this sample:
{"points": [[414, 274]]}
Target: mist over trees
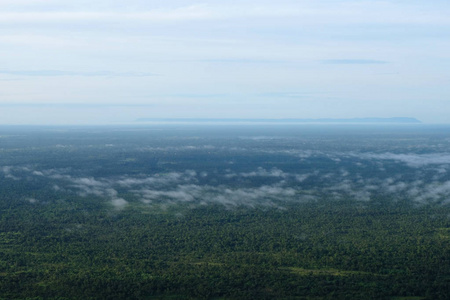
{"points": [[230, 212]]}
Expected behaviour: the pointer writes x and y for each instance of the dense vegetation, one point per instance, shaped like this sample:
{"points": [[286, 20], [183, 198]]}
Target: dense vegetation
{"points": [[333, 250], [59, 243]]}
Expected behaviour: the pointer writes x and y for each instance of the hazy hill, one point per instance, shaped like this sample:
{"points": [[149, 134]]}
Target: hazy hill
{"points": [[398, 120]]}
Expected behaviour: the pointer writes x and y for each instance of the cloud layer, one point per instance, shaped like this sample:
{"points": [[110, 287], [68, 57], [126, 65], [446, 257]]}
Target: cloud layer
{"points": [[264, 59], [355, 176]]}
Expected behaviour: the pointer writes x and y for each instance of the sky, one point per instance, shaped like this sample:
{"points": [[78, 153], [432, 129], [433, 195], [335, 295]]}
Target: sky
{"points": [[111, 62]]}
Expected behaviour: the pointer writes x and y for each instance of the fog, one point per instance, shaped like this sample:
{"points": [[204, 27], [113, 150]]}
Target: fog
{"points": [[197, 168]]}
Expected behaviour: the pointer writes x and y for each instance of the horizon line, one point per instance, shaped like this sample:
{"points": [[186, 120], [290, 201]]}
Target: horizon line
{"points": [[397, 120]]}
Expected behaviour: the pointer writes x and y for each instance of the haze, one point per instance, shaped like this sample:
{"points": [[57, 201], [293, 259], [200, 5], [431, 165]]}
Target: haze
{"points": [[83, 62]]}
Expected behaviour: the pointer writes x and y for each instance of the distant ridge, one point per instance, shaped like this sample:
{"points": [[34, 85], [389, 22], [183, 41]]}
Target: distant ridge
{"points": [[400, 120]]}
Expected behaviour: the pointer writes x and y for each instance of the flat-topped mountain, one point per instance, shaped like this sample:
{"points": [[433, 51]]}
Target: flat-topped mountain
{"points": [[398, 120]]}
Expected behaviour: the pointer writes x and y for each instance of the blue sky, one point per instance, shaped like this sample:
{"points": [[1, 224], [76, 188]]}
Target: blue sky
{"points": [[87, 62]]}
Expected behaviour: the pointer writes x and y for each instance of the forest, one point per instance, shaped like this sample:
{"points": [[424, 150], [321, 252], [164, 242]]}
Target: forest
{"points": [[276, 212]]}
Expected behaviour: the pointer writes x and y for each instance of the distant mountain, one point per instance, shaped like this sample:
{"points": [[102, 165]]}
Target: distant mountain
{"points": [[400, 120]]}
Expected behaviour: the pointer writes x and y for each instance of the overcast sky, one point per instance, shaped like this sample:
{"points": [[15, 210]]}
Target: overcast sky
{"points": [[114, 61]]}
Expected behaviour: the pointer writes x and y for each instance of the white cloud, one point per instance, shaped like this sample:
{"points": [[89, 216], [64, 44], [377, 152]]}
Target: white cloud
{"points": [[88, 182], [302, 177], [119, 203], [184, 187], [261, 172], [309, 12], [237, 49], [159, 179], [32, 200], [7, 171], [411, 159], [181, 14]]}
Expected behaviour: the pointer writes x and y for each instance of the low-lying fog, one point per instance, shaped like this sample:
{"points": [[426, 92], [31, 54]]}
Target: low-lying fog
{"points": [[233, 166]]}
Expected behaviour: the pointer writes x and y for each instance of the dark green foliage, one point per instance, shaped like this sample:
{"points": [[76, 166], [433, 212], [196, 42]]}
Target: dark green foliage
{"points": [[61, 237], [331, 249]]}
